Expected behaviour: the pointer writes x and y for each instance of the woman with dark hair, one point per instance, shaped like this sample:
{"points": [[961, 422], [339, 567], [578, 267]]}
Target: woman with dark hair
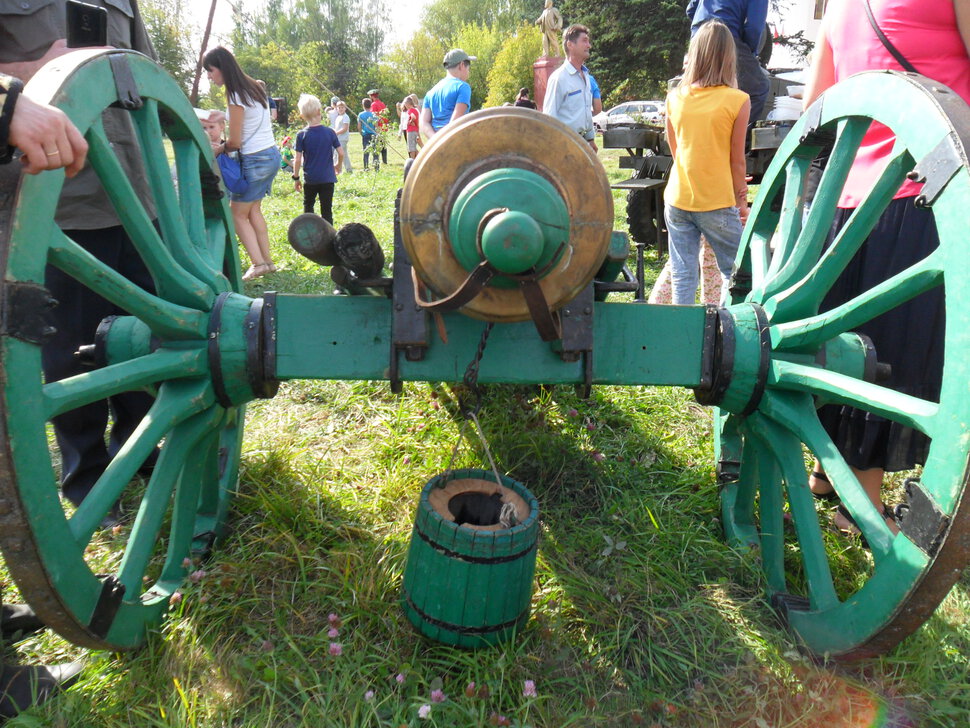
{"points": [[251, 135], [523, 99]]}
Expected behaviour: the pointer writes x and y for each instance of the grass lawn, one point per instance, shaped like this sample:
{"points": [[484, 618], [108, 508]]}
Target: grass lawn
{"points": [[642, 615]]}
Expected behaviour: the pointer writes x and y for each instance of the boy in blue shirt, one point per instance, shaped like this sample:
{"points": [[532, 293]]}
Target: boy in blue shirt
{"points": [[451, 97], [367, 121], [314, 153]]}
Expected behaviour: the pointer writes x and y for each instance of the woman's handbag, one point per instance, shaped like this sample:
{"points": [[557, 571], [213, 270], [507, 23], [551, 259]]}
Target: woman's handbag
{"points": [[232, 174]]}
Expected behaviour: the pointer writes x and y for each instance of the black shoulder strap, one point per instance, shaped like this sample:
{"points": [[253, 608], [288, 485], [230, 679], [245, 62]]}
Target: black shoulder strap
{"points": [[900, 58]]}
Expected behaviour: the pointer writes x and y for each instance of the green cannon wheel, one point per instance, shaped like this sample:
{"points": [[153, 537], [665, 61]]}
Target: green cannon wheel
{"points": [[839, 600], [73, 573]]}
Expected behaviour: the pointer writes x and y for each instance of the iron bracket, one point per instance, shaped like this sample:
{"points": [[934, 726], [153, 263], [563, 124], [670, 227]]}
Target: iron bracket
{"points": [[409, 322], [921, 520], [25, 312], [128, 97], [103, 616], [815, 135], [576, 319], [936, 169]]}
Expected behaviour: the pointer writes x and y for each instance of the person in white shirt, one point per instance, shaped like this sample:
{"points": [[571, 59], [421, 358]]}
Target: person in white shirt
{"points": [[251, 135], [569, 96], [341, 127]]}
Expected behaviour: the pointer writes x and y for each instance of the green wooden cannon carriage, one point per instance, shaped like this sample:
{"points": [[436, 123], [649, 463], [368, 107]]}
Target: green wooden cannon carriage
{"points": [[506, 218]]}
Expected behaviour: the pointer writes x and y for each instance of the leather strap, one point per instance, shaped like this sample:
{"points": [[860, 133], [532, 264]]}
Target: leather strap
{"points": [[893, 51], [472, 286], [547, 323]]}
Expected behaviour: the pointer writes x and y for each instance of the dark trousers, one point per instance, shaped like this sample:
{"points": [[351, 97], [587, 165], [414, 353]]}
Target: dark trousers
{"points": [[369, 148], [80, 432], [752, 79], [323, 190]]}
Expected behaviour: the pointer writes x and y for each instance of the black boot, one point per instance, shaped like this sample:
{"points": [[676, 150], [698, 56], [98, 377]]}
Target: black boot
{"points": [[18, 621], [23, 686]]}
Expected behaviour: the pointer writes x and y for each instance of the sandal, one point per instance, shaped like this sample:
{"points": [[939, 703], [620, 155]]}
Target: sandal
{"points": [[255, 271], [887, 513], [829, 495]]}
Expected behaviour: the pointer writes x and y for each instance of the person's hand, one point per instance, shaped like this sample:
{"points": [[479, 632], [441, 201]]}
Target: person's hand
{"points": [[743, 211], [336, 169], [298, 185], [592, 144], [47, 138]]}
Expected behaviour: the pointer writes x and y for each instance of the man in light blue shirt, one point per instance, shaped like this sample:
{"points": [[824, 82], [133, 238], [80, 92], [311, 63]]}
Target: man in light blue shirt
{"points": [[569, 96], [451, 97]]}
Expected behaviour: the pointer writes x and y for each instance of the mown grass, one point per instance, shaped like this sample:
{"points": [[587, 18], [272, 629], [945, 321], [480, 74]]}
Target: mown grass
{"points": [[641, 614]]}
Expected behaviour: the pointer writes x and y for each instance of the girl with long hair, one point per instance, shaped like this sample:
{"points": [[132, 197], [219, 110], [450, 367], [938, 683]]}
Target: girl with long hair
{"points": [[251, 135], [707, 118]]}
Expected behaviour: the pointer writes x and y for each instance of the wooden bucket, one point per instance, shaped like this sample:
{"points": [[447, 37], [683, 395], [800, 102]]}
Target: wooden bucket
{"points": [[468, 580]]}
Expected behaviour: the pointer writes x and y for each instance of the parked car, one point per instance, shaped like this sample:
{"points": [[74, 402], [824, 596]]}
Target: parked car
{"points": [[629, 113]]}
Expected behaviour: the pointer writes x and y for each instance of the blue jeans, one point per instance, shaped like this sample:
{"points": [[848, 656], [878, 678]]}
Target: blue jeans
{"points": [[259, 169], [722, 228]]}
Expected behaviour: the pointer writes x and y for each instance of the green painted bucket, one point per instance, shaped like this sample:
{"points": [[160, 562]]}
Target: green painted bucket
{"points": [[469, 576]]}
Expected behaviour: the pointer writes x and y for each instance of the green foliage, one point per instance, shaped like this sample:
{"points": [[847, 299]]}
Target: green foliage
{"points": [[288, 73], [416, 64], [445, 18], [349, 31], [164, 23], [484, 43], [512, 69], [641, 42]]}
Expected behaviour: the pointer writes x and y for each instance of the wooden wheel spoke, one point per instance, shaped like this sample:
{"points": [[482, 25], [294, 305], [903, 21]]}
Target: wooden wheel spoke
{"points": [[792, 208], [171, 279], [73, 392], [198, 472], [805, 296], [889, 294], [811, 546], [176, 402], [806, 252], [771, 509], [177, 453], [166, 319], [174, 232], [842, 389], [796, 414]]}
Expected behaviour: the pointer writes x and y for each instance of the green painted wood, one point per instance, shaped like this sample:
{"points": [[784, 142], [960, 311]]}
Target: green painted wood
{"points": [[464, 586], [904, 583], [193, 259], [633, 344]]}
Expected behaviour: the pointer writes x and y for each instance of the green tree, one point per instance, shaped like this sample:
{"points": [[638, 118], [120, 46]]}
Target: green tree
{"points": [[288, 73], [349, 31], [445, 18], [512, 69], [637, 44], [416, 64], [164, 23], [484, 43]]}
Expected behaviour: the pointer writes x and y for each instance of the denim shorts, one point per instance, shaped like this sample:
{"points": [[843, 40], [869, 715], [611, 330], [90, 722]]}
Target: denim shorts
{"points": [[259, 169]]}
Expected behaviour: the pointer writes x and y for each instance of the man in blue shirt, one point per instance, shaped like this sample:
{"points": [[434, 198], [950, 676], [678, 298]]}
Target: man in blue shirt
{"points": [[569, 95], [451, 97], [746, 20]]}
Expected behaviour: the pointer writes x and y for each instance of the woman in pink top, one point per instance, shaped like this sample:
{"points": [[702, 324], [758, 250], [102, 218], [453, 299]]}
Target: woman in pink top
{"points": [[933, 36]]}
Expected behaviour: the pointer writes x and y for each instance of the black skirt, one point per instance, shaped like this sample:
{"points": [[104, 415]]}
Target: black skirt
{"points": [[909, 338]]}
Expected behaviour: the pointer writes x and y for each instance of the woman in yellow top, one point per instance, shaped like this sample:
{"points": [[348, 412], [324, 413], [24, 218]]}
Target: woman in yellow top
{"points": [[707, 117]]}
